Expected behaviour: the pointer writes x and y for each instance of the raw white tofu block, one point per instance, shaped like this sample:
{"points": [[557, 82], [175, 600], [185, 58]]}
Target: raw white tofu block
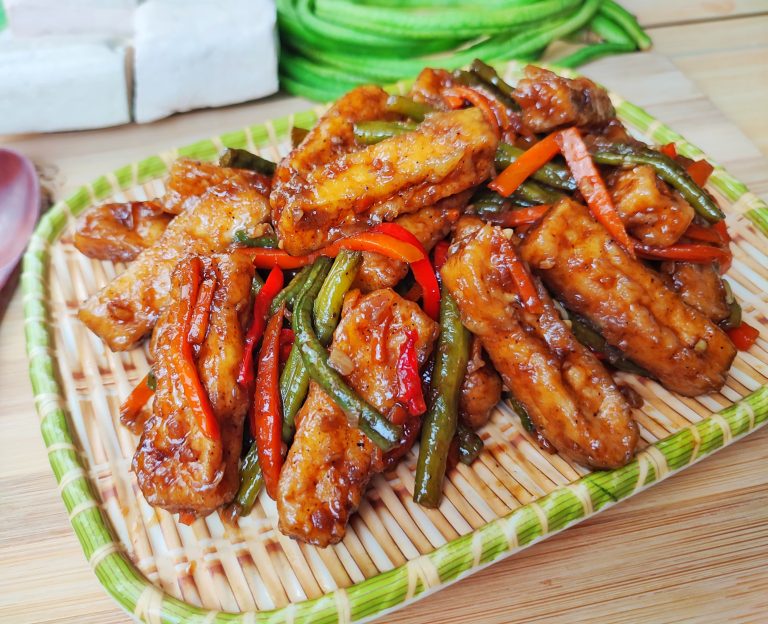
{"points": [[103, 18], [50, 84], [200, 54]]}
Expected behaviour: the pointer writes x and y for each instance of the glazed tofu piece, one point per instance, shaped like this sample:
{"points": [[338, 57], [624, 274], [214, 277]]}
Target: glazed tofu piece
{"points": [[331, 461], [549, 101], [126, 309], [569, 395], [177, 466], [650, 210], [329, 186], [627, 302], [120, 232]]}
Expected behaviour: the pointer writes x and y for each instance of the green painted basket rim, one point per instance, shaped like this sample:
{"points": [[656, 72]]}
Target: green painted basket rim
{"points": [[395, 588]]}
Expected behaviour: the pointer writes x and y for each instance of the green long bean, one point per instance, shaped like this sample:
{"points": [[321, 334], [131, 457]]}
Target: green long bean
{"points": [[250, 483], [243, 159], [381, 431], [470, 444], [294, 380], [441, 420], [289, 294]]}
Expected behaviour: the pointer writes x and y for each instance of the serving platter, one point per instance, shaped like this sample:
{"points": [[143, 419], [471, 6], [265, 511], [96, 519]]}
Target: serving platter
{"points": [[513, 496]]}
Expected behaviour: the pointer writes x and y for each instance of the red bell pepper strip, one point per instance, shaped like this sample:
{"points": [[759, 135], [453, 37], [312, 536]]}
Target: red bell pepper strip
{"points": [[705, 234], [136, 400], [523, 216], [287, 338], [524, 283], [268, 292], [670, 149], [266, 415], [743, 336], [495, 115], [700, 170], [440, 254], [530, 161], [182, 356], [264, 258], [721, 228], [422, 269], [409, 391], [592, 187], [692, 252], [202, 312]]}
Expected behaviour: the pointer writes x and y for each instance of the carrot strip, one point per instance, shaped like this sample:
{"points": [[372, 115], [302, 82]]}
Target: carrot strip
{"points": [[202, 312], [456, 95], [136, 400], [264, 258], [266, 416], [182, 356], [523, 216], [530, 161], [705, 234], [592, 187]]}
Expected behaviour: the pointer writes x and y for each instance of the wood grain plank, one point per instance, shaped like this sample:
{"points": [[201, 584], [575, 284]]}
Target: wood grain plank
{"points": [[662, 12]]}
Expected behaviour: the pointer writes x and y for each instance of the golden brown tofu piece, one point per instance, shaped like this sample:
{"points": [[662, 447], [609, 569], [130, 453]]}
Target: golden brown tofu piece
{"points": [[331, 461], [627, 302], [480, 390], [429, 225], [700, 286], [177, 466], [650, 210], [326, 188], [188, 180], [126, 309], [549, 101], [120, 232], [570, 396]]}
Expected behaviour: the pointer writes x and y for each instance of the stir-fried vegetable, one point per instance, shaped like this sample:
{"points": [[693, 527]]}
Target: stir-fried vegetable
{"points": [[289, 294], [441, 420], [268, 240], [243, 159], [692, 252], [380, 430], [525, 165], [202, 311], [251, 480], [137, 399], [744, 336], [294, 381], [182, 356], [266, 418], [592, 187], [261, 305], [470, 444], [410, 393]]}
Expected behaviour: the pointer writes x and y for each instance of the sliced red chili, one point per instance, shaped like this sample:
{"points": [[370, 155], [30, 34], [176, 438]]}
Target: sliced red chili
{"points": [[409, 391]]}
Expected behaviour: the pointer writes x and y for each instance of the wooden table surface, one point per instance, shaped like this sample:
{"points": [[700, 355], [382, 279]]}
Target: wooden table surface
{"points": [[692, 549]]}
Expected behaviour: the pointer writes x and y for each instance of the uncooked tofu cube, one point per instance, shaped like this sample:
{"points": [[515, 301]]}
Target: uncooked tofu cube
{"points": [[103, 18], [199, 54], [49, 84]]}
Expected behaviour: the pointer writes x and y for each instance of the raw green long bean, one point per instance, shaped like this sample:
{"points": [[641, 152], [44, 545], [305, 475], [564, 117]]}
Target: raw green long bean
{"points": [[441, 419], [381, 431]]}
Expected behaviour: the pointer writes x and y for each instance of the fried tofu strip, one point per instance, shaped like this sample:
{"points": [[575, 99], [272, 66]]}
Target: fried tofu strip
{"points": [[178, 468], [549, 101], [627, 302], [188, 180], [331, 461], [126, 309], [120, 232], [325, 188], [700, 287], [569, 395], [429, 225]]}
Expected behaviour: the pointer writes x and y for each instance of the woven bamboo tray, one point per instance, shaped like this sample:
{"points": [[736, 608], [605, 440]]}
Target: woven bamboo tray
{"points": [[395, 551]]}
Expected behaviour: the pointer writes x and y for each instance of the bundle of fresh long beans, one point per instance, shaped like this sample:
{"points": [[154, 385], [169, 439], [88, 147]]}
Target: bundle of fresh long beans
{"points": [[329, 46]]}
